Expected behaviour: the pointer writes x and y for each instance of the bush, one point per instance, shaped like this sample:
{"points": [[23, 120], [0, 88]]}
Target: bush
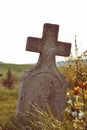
{"points": [[77, 97], [10, 80]]}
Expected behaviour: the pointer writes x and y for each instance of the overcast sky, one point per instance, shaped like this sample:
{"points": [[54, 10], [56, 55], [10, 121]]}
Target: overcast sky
{"points": [[22, 18]]}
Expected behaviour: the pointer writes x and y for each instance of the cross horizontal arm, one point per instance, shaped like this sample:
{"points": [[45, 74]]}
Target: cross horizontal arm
{"points": [[34, 44], [62, 49]]}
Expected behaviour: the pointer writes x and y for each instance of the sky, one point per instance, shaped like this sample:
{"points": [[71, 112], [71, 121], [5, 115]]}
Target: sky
{"points": [[20, 19]]}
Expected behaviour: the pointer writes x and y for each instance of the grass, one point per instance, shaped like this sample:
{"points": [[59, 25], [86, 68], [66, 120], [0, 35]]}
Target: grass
{"points": [[8, 102], [8, 97], [44, 120], [17, 69]]}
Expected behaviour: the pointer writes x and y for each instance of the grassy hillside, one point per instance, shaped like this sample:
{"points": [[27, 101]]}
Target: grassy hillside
{"points": [[8, 97], [15, 68]]}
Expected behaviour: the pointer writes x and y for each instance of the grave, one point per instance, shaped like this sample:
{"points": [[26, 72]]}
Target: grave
{"points": [[44, 83]]}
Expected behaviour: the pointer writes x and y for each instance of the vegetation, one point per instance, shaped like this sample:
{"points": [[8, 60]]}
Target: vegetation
{"points": [[75, 115], [43, 120], [9, 82], [8, 101], [15, 68]]}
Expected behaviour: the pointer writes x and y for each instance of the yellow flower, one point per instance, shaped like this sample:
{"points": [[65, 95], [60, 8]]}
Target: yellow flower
{"points": [[85, 95]]}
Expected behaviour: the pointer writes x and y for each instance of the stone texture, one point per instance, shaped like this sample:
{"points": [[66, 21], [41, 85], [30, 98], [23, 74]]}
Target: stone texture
{"points": [[44, 83]]}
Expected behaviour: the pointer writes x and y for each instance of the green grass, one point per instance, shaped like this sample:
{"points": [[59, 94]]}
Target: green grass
{"points": [[17, 69], [8, 103], [8, 97]]}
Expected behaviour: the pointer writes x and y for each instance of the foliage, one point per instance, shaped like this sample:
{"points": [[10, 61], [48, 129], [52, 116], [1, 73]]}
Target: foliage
{"points": [[77, 97], [8, 97], [75, 71], [10, 80], [77, 107], [16, 70]]}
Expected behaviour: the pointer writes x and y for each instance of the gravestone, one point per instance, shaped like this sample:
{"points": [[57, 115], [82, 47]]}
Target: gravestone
{"points": [[44, 83]]}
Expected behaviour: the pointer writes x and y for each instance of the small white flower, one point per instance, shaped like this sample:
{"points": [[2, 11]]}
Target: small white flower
{"points": [[70, 102], [68, 110], [68, 93], [81, 115], [74, 114]]}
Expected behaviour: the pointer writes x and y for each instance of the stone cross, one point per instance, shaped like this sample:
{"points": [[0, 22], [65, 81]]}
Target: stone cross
{"points": [[44, 83], [48, 46]]}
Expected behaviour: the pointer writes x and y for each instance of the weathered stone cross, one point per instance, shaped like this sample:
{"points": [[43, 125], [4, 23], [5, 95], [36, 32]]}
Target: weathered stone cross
{"points": [[44, 82], [48, 46]]}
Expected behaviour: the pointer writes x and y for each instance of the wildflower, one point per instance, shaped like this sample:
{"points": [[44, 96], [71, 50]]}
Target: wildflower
{"points": [[68, 110], [85, 93], [81, 115], [74, 114], [80, 84], [76, 104], [76, 91], [68, 93], [70, 102], [85, 96], [81, 104], [75, 125], [85, 83], [77, 97]]}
